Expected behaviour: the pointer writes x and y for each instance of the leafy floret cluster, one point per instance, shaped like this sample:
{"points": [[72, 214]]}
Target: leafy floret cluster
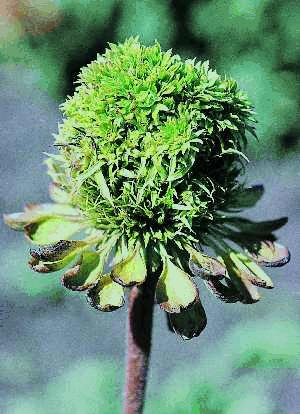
{"points": [[151, 145], [151, 150]]}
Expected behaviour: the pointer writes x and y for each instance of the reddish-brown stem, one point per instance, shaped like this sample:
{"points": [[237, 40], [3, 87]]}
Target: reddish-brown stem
{"points": [[139, 329]]}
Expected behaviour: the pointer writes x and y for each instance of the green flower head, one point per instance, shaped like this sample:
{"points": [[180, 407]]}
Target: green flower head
{"points": [[148, 171]]}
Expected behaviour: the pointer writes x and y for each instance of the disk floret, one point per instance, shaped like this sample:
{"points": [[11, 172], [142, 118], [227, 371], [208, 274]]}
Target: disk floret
{"points": [[152, 143]]}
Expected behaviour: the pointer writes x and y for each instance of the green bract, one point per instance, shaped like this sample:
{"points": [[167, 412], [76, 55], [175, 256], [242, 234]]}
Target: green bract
{"points": [[149, 165]]}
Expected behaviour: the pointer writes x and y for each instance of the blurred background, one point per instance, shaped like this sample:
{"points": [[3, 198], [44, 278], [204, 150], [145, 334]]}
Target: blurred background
{"points": [[57, 354]]}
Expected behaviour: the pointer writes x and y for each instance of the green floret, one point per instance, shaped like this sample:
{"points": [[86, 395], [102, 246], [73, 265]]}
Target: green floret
{"points": [[151, 145]]}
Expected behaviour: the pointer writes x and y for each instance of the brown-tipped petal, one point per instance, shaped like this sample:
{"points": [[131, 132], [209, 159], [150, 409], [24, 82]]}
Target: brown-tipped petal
{"points": [[205, 266], [84, 273], [255, 273], [271, 254], [130, 271], [57, 251], [48, 267], [190, 322], [225, 292], [238, 274], [106, 295], [175, 290], [53, 257]]}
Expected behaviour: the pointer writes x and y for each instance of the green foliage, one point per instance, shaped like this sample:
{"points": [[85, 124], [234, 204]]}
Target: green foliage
{"points": [[20, 280], [257, 42], [219, 383], [151, 143]]}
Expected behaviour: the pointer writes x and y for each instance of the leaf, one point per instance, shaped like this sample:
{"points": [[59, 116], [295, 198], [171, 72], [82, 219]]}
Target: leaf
{"points": [[103, 188], [106, 295], [175, 289], [84, 273], [189, 323], [130, 271], [270, 254]]}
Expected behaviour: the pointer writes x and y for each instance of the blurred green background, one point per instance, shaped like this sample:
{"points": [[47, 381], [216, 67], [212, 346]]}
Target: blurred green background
{"points": [[57, 355]]}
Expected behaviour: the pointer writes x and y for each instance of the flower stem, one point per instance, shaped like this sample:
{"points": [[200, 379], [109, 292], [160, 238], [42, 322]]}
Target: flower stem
{"points": [[139, 329]]}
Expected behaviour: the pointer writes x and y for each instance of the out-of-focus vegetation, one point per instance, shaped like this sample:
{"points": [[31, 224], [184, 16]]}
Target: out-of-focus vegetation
{"points": [[255, 41], [234, 376]]}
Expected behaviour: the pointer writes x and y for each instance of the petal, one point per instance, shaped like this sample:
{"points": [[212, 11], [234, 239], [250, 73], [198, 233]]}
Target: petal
{"points": [[205, 266], [130, 271], [57, 251], [46, 223], [238, 274], [258, 229], [53, 257], [190, 322], [226, 291], [247, 197], [106, 295], [85, 272], [51, 230], [175, 289], [256, 275], [58, 195], [271, 254], [48, 267]]}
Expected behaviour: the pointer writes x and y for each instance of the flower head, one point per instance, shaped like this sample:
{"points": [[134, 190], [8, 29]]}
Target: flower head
{"points": [[150, 155]]}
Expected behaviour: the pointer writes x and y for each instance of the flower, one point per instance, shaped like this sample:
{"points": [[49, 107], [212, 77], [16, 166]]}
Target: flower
{"points": [[150, 155]]}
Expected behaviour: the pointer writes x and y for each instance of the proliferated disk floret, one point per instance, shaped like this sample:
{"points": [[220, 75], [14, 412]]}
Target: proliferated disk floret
{"points": [[149, 165]]}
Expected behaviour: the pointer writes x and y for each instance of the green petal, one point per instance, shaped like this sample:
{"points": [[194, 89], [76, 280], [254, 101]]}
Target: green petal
{"points": [[205, 266], [51, 230], [130, 271], [58, 195], [224, 290], [46, 223], [33, 213], [85, 272], [175, 290], [256, 275], [271, 254], [238, 274], [53, 257], [190, 322], [256, 228], [247, 197], [106, 295]]}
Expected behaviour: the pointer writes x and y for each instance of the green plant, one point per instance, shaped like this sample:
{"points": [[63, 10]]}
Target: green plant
{"points": [[151, 154]]}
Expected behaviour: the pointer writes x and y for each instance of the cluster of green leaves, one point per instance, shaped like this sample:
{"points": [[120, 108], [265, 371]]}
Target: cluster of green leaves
{"points": [[151, 143]]}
